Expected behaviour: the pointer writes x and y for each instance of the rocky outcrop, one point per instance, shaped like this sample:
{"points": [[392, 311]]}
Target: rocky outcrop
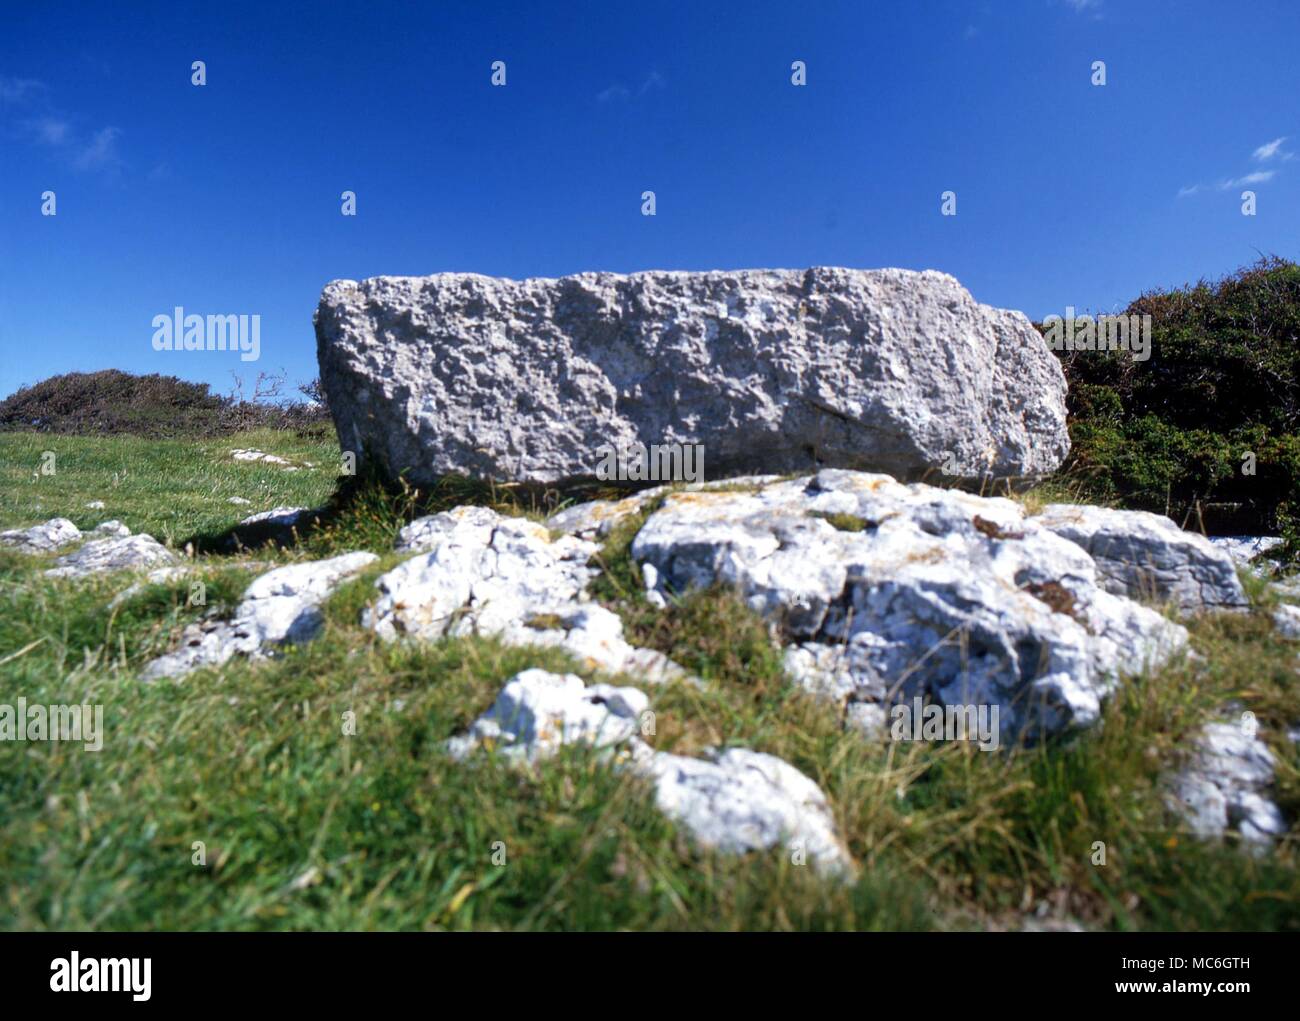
{"points": [[884, 592], [1148, 557], [732, 801], [506, 577], [774, 371], [43, 538], [280, 607], [116, 553]]}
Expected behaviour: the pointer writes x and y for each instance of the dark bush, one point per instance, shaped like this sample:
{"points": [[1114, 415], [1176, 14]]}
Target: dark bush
{"points": [[1173, 434], [112, 402]]}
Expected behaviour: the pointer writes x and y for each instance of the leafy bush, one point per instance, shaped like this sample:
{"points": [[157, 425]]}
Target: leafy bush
{"points": [[112, 402], [1173, 434]]}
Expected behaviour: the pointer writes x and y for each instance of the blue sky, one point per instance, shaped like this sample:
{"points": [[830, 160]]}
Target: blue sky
{"points": [[225, 198]]}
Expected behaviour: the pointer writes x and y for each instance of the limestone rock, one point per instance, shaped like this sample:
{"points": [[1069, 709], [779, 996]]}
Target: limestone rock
{"points": [[1147, 556], [1286, 621], [115, 553], [477, 572], [773, 371], [538, 712], [735, 801], [1224, 785], [739, 800], [284, 517], [1244, 549], [42, 538], [279, 607], [113, 528], [919, 591]]}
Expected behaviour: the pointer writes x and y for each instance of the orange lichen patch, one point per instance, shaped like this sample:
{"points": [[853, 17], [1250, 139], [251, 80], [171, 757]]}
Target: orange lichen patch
{"points": [[700, 499]]}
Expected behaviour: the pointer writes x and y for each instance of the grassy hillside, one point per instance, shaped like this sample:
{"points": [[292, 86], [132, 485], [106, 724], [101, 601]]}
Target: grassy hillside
{"points": [[303, 826]]}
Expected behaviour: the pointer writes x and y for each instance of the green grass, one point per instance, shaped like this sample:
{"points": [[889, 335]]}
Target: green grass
{"points": [[171, 489], [304, 826]]}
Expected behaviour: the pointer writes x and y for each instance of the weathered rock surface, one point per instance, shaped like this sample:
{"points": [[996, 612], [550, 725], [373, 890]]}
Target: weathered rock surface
{"points": [[771, 370], [1224, 785], [116, 553], [1245, 548], [280, 607], [733, 801], [284, 517], [43, 538], [538, 712], [936, 593], [506, 577], [595, 519], [1147, 556], [1286, 621], [113, 528], [739, 800]]}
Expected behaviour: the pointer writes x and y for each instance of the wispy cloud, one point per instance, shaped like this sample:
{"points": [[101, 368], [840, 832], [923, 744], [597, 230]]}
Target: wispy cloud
{"points": [[620, 93], [1271, 150], [49, 130], [613, 94], [653, 83], [33, 117], [1268, 152], [100, 153], [1258, 177], [15, 90], [1083, 6]]}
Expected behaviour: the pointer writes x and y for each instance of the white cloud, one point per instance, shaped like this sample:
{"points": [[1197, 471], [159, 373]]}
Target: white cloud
{"points": [[50, 130], [1084, 5], [1271, 150], [1258, 177], [1189, 190]]}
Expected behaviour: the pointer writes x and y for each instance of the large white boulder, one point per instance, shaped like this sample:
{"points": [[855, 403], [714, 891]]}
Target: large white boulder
{"points": [[770, 370]]}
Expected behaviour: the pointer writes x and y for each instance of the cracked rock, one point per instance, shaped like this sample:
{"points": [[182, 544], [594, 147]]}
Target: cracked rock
{"points": [[42, 538], [477, 572], [116, 553], [883, 592], [279, 607], [773, 371], [1146, 556]]}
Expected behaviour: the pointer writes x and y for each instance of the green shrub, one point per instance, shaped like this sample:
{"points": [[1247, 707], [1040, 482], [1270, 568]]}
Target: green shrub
{"points": [[1172, 434]]}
